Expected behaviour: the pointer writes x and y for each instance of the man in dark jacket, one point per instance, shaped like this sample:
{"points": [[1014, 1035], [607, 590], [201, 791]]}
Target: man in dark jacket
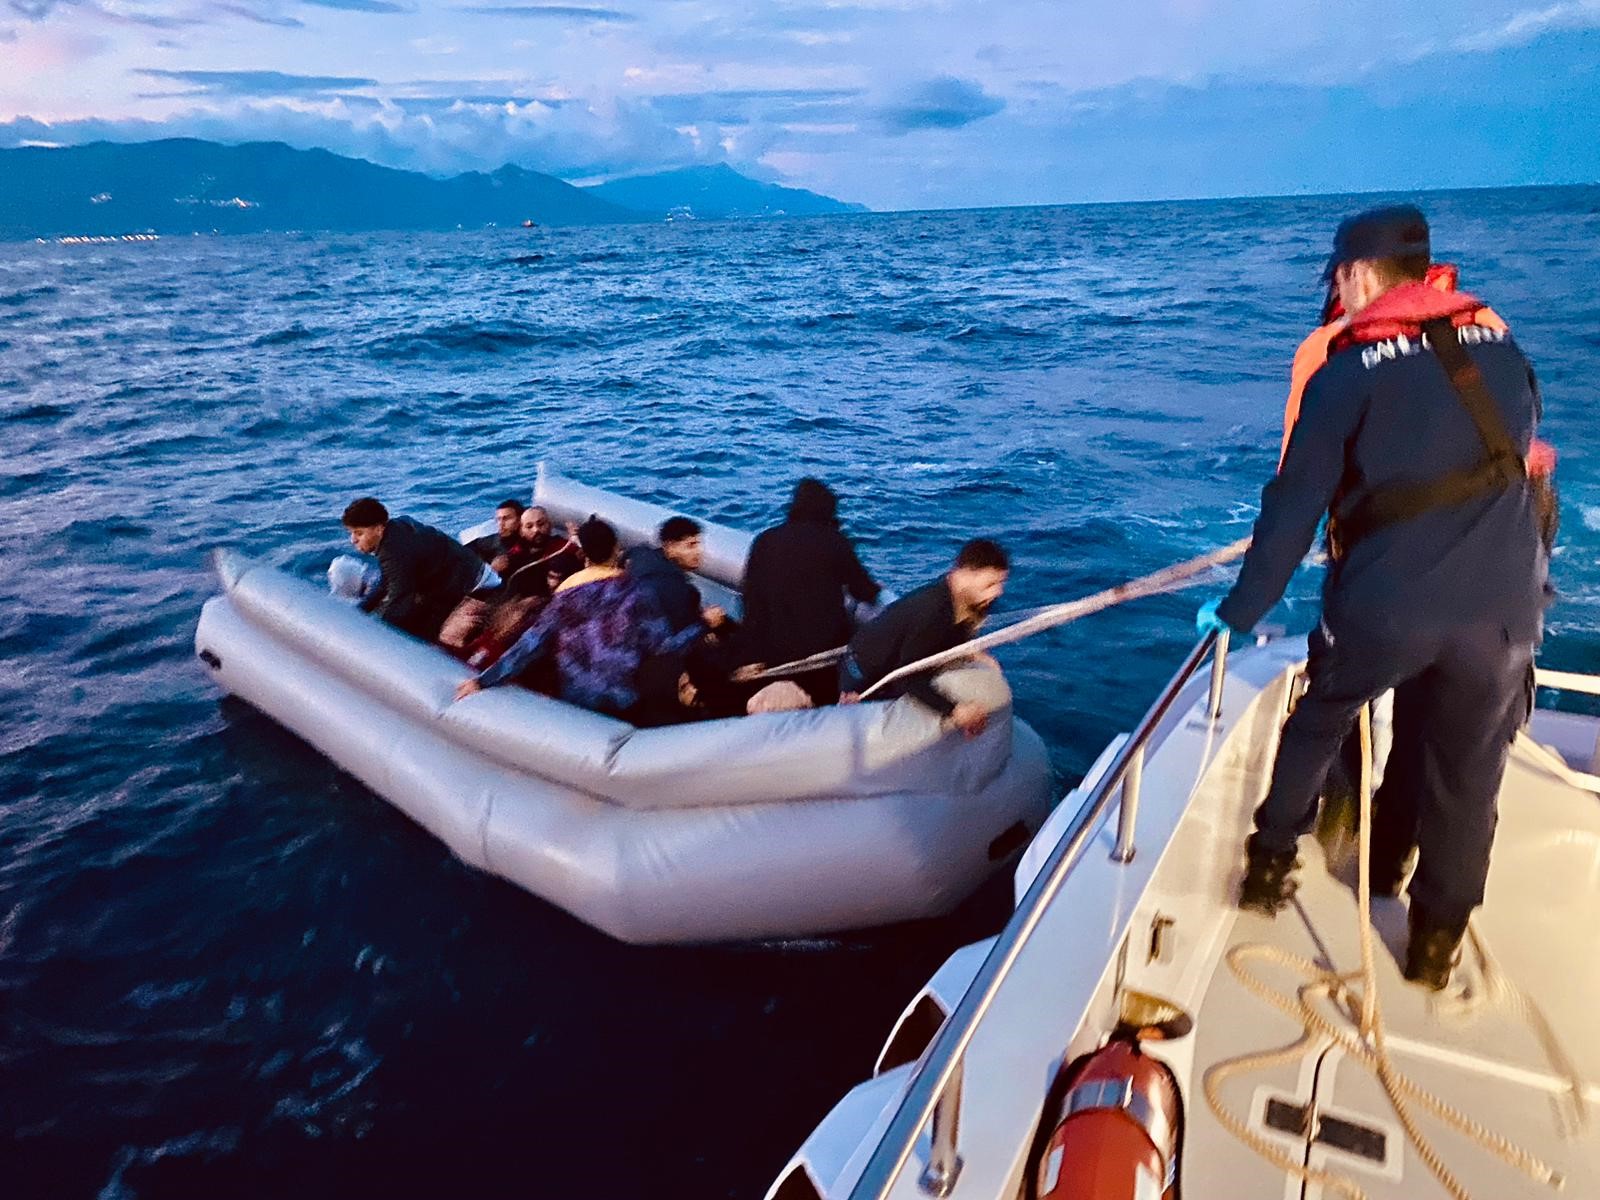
{"points": [[498, 548], [425, 572], [1413, 437], [663, 571], [940, 616], [544, 558], [795, 582]]}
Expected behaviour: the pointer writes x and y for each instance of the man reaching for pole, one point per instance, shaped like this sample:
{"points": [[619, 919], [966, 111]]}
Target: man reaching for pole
{"points": [[1413, 438], [939, 616]]}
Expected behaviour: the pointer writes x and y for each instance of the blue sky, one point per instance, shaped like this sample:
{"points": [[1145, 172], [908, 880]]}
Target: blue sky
{"points": [[892, 103]]}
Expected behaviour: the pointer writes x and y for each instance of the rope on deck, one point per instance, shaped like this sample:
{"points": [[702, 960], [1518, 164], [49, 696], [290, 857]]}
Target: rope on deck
{"points": [[1354, 997]]}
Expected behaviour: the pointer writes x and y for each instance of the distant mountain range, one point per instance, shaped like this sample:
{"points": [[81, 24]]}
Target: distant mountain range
{"points": [[715, 192], [184, 185]]}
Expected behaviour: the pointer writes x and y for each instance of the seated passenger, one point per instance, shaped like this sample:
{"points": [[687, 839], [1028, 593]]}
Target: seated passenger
{"points": [[664, 573], [601, 551], [794, 585], [537, 566], [498, 548], [595, 634], [426, 572], [939, 616], [546, 559], [663, 570]]}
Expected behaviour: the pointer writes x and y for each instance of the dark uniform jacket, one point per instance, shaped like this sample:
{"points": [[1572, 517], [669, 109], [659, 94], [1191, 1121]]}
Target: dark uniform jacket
{"points": [[1383, 413], [424, 569], [794, 585], [913, 627]]}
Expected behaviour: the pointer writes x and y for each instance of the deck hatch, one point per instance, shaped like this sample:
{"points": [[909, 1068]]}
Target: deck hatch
{"points": [[1284, 1116], [1336, 1133]]}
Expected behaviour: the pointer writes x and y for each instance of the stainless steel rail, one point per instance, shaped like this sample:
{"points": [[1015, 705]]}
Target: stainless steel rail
{"points": [[935, 1091], [1133, 778]]}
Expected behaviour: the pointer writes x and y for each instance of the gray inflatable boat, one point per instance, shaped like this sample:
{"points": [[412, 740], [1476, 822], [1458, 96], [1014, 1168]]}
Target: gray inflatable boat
{"points": [[768, 826]]}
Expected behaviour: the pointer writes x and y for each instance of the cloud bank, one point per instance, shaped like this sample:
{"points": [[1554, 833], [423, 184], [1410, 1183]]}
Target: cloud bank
{"points": [[887, 102]]}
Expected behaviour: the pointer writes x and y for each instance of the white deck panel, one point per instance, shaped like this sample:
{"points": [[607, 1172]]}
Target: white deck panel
{"points": [[1540, 922]]}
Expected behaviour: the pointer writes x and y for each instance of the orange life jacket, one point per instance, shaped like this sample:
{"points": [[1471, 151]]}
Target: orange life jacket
{"points": [[1314, 351], [1400, 311]]}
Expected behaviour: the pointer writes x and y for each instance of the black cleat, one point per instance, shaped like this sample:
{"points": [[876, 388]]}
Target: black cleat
{"points": [[1269, 882], [1434, 950]]}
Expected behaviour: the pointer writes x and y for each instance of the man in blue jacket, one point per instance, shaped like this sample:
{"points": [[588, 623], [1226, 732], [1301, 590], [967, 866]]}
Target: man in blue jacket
{"points": [[664, 571], [1413, 440]]}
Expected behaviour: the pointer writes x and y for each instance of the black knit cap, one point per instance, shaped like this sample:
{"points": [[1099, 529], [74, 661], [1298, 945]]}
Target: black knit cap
{"points": [[1395, 231]]}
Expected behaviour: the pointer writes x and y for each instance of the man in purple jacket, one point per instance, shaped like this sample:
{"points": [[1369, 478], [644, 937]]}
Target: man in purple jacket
{"points": [[597, 636]]}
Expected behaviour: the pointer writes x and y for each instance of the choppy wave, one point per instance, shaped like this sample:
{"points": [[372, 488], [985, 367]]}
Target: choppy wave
{"points": [[27, 295], [457, 339], [283, 337]]}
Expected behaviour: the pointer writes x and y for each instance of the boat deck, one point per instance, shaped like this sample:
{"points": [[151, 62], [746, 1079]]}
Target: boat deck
{"points": [[1159, 926], [1469, 1045]]}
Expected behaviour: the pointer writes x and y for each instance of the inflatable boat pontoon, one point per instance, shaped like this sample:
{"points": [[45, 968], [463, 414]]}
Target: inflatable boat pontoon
{"points": [[767, 826]]}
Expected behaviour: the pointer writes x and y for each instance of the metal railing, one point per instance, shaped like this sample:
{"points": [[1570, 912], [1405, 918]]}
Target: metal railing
{"points": [[935, 1091], [1567, 681]]}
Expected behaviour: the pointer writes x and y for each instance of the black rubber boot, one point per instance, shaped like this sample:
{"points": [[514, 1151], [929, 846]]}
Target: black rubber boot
{"points": [[1434, 950], [1269, 882]]}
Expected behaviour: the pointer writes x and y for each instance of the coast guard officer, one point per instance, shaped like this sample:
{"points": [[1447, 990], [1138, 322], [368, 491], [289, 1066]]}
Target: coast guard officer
{"points": [[1413, 439]]}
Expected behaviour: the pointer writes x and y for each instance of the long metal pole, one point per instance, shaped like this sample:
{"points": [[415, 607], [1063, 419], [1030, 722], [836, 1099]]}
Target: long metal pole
{"points": [[944, 1054]]}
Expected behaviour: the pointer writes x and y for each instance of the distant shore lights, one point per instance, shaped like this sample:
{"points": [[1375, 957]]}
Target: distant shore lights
{"points": [[87, 239]]}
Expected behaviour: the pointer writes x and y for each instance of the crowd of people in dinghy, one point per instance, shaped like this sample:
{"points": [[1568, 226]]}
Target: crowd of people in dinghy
{"points": [[625, 633]]}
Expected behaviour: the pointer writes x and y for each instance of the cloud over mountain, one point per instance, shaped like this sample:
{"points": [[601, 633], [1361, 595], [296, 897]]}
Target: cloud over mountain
{"points": [[257, 83], [890, 102], [548, 12]]}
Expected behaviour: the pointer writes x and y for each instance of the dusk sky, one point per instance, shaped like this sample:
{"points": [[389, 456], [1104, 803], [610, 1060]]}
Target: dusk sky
{"points": [[892, 103]]}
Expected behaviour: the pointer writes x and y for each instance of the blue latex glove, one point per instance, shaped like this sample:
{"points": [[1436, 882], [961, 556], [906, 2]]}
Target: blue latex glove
{"points": [[1207, 621]]}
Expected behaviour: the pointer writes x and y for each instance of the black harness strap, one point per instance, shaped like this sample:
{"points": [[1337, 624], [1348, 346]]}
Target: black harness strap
{"points": [[1502, 467], [1474, 396]]}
